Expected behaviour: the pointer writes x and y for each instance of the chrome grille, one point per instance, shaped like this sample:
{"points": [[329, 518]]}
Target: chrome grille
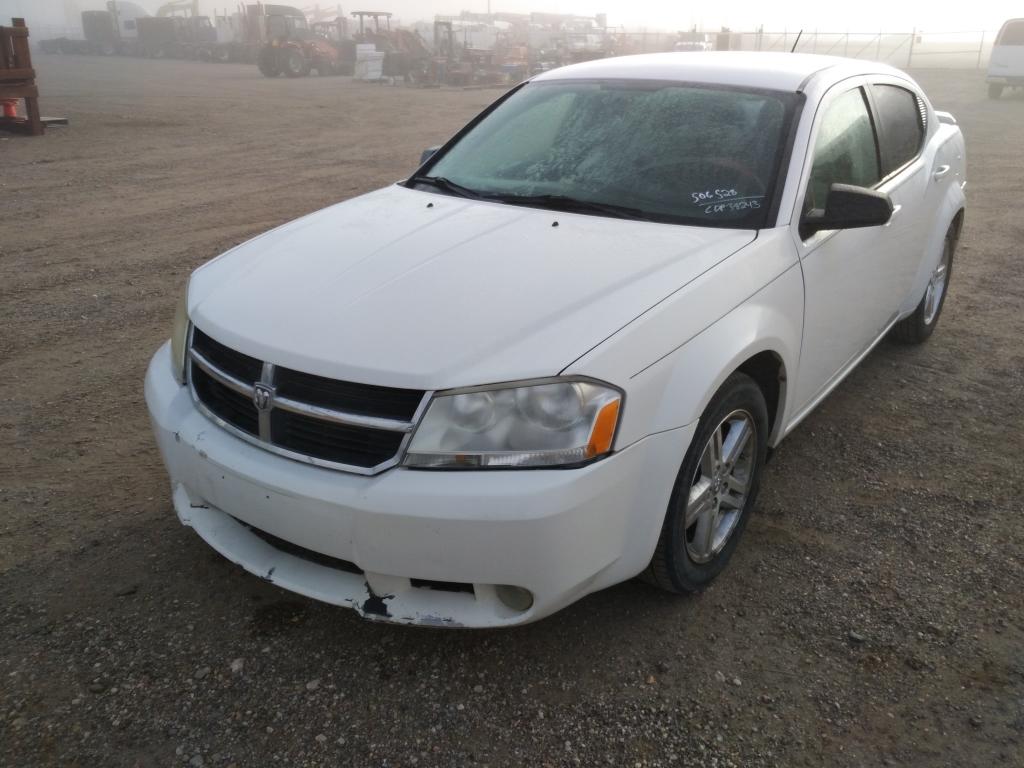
{"points": [[361, 428]]}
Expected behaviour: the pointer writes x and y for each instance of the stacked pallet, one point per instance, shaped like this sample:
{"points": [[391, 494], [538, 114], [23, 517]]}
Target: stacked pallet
{"points": [[18, 81]]}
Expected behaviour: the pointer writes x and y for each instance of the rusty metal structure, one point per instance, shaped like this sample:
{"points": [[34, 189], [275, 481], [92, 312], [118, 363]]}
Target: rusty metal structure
{"points": [[18, 81]]}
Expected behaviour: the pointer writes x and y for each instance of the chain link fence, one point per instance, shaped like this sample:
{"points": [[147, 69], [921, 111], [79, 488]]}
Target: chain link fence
{"points": [[906, 50], [909, 50]]}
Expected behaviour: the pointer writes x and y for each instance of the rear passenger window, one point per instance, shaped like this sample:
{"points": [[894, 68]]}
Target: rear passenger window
{"points": [[845, 151], [901, 125], [1012, 34]]}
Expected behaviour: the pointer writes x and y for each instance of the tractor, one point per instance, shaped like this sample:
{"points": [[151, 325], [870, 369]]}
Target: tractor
{"points": [[293, 48]]}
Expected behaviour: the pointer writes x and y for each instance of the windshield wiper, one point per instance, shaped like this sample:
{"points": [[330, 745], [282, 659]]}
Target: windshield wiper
{"points": [[447, 185], [549, 202], [575, 205]]}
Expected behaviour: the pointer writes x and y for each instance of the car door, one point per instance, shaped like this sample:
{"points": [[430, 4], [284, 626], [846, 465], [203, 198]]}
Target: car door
{"points": [[848, 301], [909, 178]]}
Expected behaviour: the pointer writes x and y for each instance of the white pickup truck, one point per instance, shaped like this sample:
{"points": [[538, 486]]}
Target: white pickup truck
{"points": [[1006, 66], [557, 355]]}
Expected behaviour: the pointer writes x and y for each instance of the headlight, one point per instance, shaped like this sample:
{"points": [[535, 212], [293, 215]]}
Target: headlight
{"points": [[545, 423], [179, 337]]}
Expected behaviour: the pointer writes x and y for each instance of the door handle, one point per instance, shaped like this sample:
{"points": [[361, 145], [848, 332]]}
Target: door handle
{"points": [[941, 171]]}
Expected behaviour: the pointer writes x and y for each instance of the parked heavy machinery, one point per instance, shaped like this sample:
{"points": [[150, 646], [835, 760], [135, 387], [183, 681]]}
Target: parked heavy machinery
{"points": [[178, 37], [407, 54], [293, 48], [100, 30], [114, 30], [174, 7]]}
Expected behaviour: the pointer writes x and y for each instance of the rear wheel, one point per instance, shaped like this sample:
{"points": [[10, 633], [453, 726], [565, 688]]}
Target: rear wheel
{"points": [[916, 328], [268, 63], [295, 64], [995, 90], [714, 491]]}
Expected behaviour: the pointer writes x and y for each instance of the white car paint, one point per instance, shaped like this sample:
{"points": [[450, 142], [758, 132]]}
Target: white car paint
{"points": [[1006, 64], [406, 288], [383, 264], [841, 318]]}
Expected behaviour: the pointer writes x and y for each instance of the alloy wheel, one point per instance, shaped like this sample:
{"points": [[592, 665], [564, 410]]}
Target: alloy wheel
{"points": [[936, 288], [720, 486]]}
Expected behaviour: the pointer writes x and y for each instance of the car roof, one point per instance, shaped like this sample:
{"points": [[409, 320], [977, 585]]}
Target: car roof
{"points": [[776, 71]]}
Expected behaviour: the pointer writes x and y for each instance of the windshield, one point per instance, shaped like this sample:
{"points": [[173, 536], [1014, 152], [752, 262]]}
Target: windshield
{"points": [[660, 151]]}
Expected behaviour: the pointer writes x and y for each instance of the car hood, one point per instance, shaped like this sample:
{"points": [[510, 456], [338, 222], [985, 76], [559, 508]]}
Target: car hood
{"points": [[407, 288]]}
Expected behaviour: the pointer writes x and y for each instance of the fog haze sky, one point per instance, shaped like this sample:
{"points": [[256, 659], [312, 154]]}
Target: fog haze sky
{"points": [[859, 16]]}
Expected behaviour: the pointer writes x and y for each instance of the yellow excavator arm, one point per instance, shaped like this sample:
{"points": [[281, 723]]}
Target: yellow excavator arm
{"points": [[187, 7]]}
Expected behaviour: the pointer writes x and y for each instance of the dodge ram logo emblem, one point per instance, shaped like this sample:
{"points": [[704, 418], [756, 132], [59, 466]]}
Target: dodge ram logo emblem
{"points": [[262, 397]]}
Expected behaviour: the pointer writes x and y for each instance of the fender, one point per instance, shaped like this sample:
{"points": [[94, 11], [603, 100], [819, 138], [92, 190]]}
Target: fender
{"points": [[953, 203], [694, 373], [750, 303]]}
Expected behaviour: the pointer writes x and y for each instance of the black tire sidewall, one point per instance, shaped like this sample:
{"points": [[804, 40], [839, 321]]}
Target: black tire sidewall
{"points": [[268, 64], [738, 392]]}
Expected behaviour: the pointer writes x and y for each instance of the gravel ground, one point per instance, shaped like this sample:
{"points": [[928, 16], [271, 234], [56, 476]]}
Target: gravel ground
{"points": [[872, 616]]}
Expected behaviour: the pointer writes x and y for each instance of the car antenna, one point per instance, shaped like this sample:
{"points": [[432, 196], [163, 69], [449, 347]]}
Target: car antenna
{"points": [[798, 34]]}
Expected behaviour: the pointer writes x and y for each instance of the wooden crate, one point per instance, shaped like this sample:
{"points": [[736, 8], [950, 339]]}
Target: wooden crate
{"points": [[18, 78]]}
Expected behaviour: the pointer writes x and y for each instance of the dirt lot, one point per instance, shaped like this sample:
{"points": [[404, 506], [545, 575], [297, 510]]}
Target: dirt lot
{"points": [[873, 616]]}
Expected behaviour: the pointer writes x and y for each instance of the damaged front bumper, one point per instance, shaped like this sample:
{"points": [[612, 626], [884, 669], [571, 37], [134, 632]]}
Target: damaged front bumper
{"points": [[408, 546]]}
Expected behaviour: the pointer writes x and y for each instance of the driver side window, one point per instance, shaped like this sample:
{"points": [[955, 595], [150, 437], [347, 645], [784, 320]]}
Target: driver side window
{"points": [[846, 151]]}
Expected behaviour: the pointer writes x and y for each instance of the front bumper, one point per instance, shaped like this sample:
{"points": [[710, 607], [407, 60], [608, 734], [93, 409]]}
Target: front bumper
{"points": [[1012, 81], [416, 547]]}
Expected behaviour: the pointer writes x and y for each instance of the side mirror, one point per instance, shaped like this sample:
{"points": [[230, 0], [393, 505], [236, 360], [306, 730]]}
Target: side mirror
{"points": [[427, 154], [848, 207]]}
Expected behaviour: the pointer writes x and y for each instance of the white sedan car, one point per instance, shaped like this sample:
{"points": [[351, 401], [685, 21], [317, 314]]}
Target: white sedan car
{"points": [[556, 357]]}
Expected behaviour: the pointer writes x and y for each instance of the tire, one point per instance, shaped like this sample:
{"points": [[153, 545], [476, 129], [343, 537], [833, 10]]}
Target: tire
{"points": [[325, 68], [268, 63], [685, 560], [295, 64], [995, 90], [919, 326]]}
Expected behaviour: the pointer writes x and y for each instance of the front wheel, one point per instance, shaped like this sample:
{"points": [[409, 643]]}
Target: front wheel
{"points": [[714, 491], [916, 328], [995, 90], [295, 64]]}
